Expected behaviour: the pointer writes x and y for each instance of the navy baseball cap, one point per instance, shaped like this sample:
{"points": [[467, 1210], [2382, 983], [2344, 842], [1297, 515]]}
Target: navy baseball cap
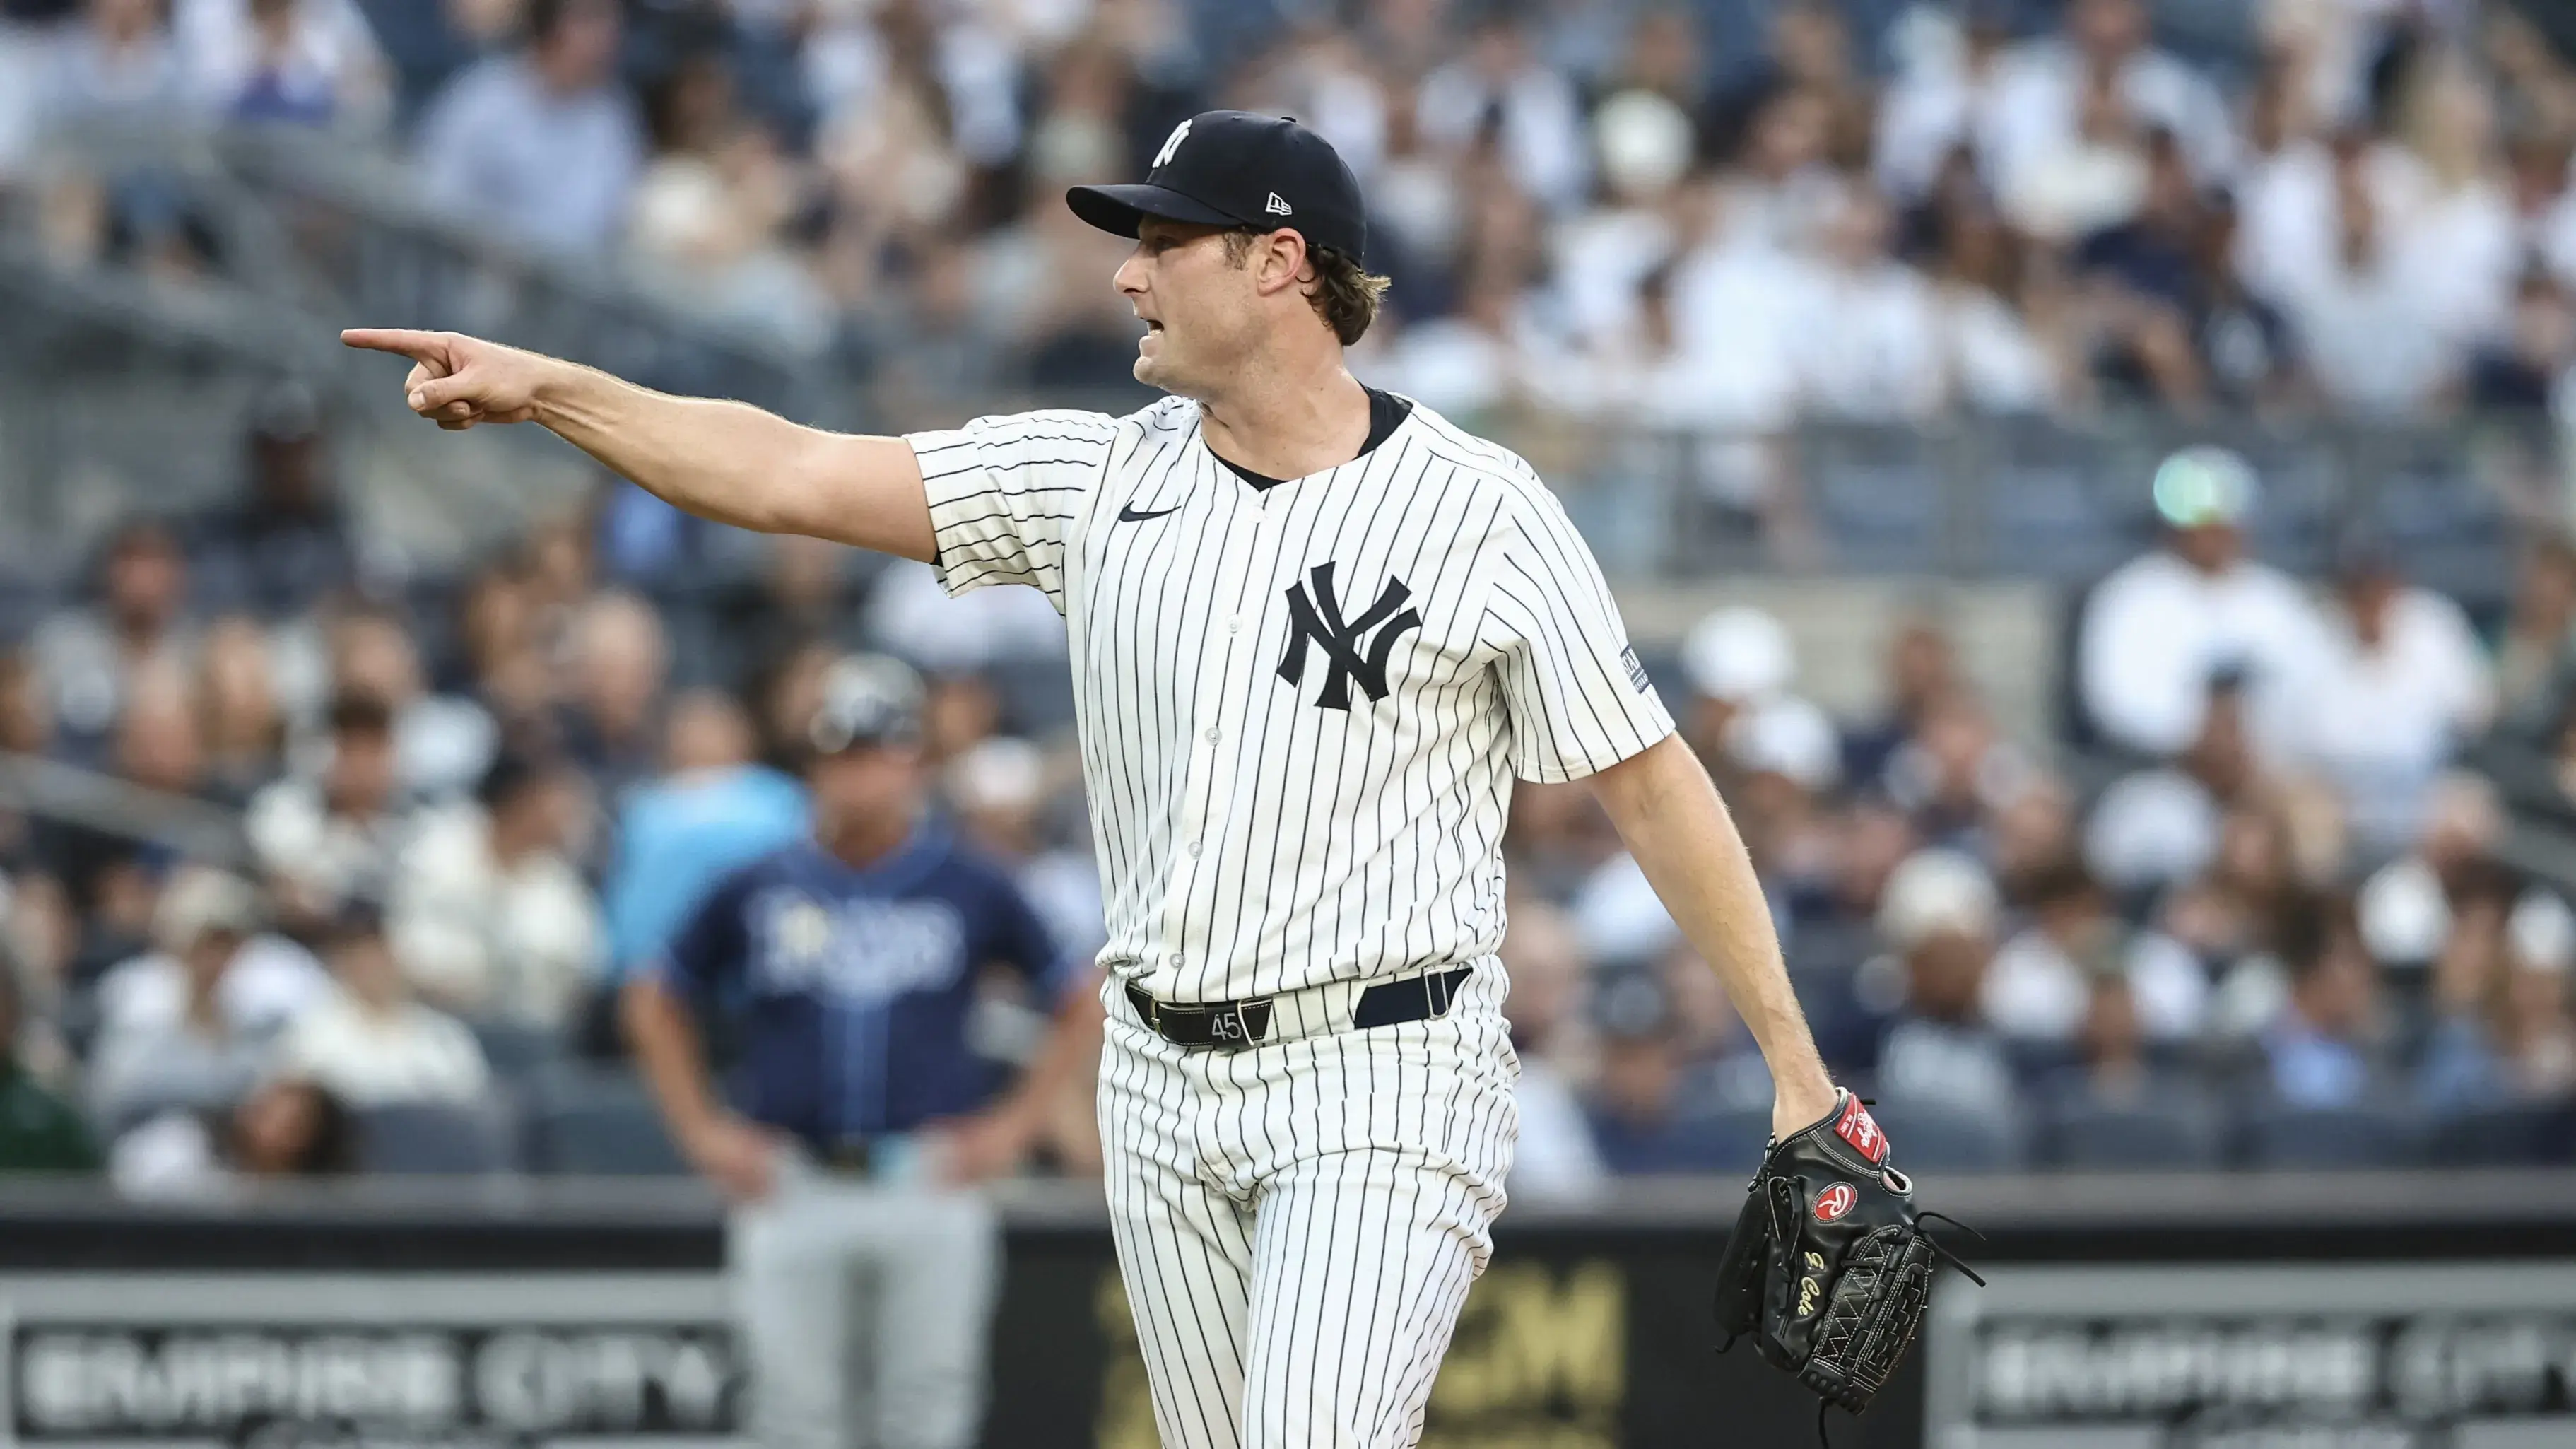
{"points": [[868, 699], [1239, 168]]}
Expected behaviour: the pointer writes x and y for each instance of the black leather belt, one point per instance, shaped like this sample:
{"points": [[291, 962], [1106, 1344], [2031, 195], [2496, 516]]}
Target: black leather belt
{"points": [[1234, 1025]]}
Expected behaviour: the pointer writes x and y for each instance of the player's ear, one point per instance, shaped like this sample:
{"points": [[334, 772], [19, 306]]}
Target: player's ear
{"points": [[1282, 262]]}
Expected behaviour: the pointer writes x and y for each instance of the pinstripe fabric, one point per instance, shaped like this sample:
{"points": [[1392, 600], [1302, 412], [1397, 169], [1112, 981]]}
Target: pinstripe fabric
{"points": [[1298, 1223], [1253, 841]]}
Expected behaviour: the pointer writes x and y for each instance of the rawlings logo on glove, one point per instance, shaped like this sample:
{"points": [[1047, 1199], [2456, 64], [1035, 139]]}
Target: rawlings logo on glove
{"points": [[1829, 1269]]}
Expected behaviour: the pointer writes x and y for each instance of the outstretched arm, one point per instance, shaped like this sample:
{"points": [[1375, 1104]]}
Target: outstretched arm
{"points": [[726, 461], [1669, 814]]}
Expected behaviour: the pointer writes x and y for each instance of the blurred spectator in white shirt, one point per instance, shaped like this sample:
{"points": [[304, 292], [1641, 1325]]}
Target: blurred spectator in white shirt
{"points": [[327, 834], [2403, 685], [2370, 314], [2160, 628], [2042, 90], [442, 742], [2409, 908], [541, 141], [1996, 360], [310, 62], [117, 68], [1547, 1008], [86, 655], [190, 1025], [486, 911], [1867, 335], [1500, 81], [1942, 94], [712, 207], [910, 615], [1000, 789], [2160, 826], [369, 1042], [2041, 983]]}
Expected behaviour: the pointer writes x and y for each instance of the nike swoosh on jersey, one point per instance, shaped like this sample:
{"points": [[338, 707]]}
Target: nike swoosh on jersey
{"points": [[1128, 513]]}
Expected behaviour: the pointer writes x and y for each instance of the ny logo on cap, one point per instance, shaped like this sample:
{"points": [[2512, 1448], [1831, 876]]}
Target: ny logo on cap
{"points": [[1172, 143], [1276, 207], [1349, 654]]}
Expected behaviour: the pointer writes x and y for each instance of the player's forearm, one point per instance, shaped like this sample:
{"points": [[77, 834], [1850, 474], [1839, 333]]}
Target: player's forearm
{"points": [[735, 464], [1678, 829], [665, 1044], [1072, 1043]]}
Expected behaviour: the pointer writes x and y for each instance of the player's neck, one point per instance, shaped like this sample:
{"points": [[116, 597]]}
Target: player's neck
{"points": [[864, 844], [1287, 422]]}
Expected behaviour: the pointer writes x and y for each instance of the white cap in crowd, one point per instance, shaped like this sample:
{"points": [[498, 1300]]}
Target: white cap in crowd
{"points": [[1936, 892], [1739, 654]]}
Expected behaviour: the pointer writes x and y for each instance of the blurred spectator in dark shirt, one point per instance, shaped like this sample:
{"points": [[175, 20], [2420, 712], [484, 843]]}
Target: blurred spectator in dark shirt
{"points": [[244, 728], [714, 809], [1643, 1119], [2041, 983], [2228, 913], [39, 1131], [1725, 1071], [1955, 772], [611, 724], [2328, 1047], [88, 654], [2539, 636], [2502, 1032], [803, 595], [540, 141], [2142, 272], [1939, 917], [489, 915], [2527, 369], [327, 835], [1922, 667], [107, 875], [285, 544]]}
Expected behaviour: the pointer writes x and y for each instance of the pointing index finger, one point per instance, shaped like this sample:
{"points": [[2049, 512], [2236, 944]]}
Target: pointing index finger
{"points": [[418, 346]]}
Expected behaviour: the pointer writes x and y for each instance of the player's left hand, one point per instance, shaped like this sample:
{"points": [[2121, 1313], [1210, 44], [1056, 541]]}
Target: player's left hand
{"points": [[980, 1148]]}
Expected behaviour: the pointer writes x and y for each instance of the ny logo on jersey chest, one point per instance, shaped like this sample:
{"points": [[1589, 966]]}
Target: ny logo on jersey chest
{"points": [[1315, 617]]}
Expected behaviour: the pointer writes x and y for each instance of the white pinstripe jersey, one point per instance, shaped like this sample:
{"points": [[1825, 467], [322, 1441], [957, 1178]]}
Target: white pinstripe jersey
{"points": [[1300, 707]]}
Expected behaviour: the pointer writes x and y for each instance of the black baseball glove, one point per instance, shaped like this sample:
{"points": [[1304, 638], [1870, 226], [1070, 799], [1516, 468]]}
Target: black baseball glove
{"points": [[1829, 1270]]}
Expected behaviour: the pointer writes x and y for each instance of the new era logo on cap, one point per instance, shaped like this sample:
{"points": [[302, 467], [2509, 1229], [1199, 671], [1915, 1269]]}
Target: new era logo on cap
{"points": [[1235, 169]]}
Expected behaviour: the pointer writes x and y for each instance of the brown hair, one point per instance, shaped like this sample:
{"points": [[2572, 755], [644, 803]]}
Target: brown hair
{"points": [[1344, 293]]}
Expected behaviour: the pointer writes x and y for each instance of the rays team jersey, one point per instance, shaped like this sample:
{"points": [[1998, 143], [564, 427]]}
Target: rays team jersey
{"points": [[846, 991], [1301, 705]]}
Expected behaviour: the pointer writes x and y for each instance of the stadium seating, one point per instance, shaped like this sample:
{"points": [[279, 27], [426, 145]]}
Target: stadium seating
{"points": [[2155, 1134], [434, 1138], [2333, 1137], [1933, 1138], [584, 1121]]}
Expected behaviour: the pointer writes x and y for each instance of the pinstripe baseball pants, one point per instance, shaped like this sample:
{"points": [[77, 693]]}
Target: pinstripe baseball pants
{"points": [[1298, 1222]]}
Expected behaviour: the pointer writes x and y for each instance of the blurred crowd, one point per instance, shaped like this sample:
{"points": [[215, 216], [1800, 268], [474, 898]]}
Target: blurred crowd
{"points": [[2252, 904], [1719, 213]]}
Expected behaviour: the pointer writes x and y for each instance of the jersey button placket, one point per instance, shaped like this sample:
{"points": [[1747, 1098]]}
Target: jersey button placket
{"points": [[1207, 768]]}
